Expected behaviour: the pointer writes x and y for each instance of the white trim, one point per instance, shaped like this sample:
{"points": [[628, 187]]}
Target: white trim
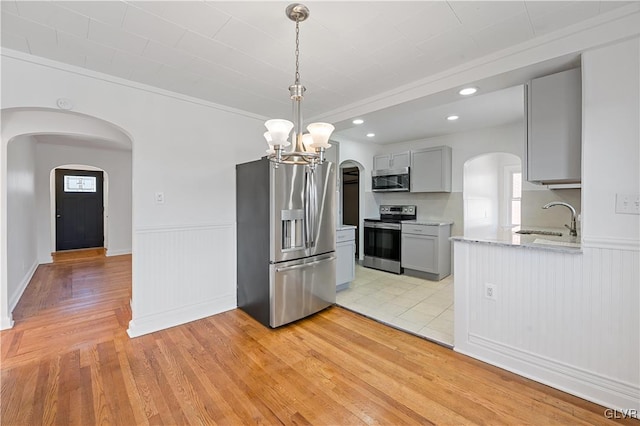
{"points": [[182, 315], [15, 297], [611, 243], [6, 322], [182, 227], [584, 384], [118, 252], [507, 174], [122, 82]]}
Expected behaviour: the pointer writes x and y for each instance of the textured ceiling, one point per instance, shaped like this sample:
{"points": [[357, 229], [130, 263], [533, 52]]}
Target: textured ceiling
{"points": [[240, 54]]}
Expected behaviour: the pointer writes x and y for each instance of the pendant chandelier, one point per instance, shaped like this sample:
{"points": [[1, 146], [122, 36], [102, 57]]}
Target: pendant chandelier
{"points": [[308, 148]]}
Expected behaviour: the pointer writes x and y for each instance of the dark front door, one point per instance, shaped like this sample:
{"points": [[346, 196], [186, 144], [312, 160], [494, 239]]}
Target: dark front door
{"points": [[79, 209]]}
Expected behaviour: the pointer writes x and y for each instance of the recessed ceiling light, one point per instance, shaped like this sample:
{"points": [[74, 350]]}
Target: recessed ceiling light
{"points": [[468, 91], [370, 135], [358, 121], [452, 117]]}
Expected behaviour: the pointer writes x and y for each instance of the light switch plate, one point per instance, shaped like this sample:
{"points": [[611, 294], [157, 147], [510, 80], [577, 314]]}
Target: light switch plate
{"points": [[628, 203]]}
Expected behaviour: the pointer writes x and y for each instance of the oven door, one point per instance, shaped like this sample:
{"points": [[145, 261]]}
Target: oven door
{"points": [[382, 240]]}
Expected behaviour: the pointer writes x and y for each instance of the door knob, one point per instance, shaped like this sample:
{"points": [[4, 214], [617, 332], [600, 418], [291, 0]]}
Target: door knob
{"points": [[58, 215]]}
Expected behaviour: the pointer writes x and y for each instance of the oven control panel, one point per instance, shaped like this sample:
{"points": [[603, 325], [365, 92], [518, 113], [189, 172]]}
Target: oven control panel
{"points": [[403, 212]]}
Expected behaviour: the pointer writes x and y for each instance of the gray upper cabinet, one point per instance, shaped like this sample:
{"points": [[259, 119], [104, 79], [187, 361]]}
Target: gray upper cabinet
{"points": [[431, 169], [397, 160], [554, 123]]}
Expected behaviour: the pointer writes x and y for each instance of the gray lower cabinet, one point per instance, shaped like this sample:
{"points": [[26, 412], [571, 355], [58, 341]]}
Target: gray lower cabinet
{"points": [[426, 250], [345, 257]]}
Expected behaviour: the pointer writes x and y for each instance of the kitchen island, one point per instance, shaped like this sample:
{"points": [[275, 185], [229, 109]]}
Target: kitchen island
{"points": [[554, 311]]}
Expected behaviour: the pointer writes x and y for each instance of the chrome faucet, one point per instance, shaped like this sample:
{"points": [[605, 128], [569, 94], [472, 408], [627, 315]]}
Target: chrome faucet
{"points": [[572, 229]]}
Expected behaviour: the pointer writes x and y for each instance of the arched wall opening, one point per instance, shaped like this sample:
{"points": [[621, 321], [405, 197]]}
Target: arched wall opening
{"points": [[352, 199], [491, 193], [34, 142]]}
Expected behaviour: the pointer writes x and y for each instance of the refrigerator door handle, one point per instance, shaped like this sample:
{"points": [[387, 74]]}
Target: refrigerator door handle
{"points": [[304, 265], [305, 200], [309, 207], [313, 195]]}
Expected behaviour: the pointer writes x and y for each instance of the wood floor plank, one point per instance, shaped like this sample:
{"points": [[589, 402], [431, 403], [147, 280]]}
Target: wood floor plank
{"points": [[68, 360]]}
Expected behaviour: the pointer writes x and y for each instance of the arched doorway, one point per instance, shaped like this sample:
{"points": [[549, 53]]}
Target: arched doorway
{"points": [[35, 141], [351, 190], [491, 193]]}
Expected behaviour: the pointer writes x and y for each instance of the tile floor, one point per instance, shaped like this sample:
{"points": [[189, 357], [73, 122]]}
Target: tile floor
{"points": [[412, 304]]}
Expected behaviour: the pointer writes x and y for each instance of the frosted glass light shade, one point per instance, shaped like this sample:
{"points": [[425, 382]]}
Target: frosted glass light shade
{"points": [[307, 141], [267, 136], [279, 131], [320, 132]]}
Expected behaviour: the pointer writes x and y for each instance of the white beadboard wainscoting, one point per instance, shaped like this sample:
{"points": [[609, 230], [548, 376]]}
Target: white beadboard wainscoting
{"points": [[569, 320], [181, 274]]}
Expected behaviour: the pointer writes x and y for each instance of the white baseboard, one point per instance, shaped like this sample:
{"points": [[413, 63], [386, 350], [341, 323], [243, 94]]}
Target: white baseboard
{"points": [[150, 323], [118, 252], [6, 322], [15, 297], [610, 393]]}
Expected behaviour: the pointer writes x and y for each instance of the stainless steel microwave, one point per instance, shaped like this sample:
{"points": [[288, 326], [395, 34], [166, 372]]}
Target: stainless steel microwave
{"points": [[391, 180]]}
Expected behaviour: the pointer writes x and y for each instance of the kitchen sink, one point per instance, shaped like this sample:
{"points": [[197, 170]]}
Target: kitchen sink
{"points": [[528, 231]]}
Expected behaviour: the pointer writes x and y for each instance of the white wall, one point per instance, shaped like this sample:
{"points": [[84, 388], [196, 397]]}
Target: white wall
{"points": [[116, 163], [467, 145], [184, 259], [21, 210], [611, 141]]}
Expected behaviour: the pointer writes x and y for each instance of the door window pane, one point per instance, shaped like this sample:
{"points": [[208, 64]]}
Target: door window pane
{"points": [[79, 184]]}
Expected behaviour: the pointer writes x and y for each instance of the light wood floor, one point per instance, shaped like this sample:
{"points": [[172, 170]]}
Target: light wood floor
{"points": [[68, 360]]}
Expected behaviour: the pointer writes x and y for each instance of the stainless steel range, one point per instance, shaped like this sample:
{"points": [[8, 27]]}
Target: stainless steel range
{"points": [[382, 238]]}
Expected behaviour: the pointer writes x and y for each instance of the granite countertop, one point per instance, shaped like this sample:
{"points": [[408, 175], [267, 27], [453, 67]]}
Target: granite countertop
{"points": [[509, 237], [429, 222], [344, 227]]}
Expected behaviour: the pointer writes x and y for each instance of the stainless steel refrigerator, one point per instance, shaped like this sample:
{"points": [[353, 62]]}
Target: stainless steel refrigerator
{"points": [[285, 240]]}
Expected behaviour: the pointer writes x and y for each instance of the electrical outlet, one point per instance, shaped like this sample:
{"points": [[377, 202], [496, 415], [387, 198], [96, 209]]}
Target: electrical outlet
{"points": [[628, 203], [159, 197], [490, 291]]}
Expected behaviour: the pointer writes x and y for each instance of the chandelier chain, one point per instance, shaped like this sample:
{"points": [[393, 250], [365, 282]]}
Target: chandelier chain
{"points": [[297, 51]]}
